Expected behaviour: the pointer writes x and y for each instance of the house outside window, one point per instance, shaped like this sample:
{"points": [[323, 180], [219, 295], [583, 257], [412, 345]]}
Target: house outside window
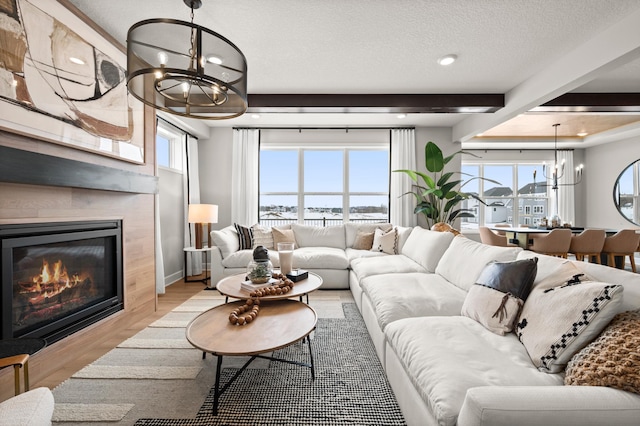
{"points": [[324, 186], [516, 200]]}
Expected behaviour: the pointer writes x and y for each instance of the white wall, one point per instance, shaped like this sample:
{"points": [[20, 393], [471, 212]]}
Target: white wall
{"points": [[603, 164], [215, 155]]}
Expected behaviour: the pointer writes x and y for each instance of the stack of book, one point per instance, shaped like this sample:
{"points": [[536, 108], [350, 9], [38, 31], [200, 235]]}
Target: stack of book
{"points": [[249, 286]]}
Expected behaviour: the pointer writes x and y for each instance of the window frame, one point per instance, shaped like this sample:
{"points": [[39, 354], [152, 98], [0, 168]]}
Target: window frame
{"points": [[346, 194], [176, 146]]}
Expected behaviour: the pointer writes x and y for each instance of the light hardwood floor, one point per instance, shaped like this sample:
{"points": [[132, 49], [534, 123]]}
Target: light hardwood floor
{"points": [[175, 294]]}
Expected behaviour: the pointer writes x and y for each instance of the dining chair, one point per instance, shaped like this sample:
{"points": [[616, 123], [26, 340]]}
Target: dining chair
{"points": [[623, 243], [487, 236], [555, 243], [588, 243], [501, 225]]}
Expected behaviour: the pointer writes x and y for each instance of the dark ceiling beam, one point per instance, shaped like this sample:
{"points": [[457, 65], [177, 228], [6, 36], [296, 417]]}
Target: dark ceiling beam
{"points": [[375, 103], [592, 102]]}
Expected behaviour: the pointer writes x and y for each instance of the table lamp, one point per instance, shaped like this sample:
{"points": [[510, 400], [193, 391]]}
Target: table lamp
{"points": [[201, 214]]}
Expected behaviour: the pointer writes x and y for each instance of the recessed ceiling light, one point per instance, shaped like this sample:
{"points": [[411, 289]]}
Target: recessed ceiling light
{"points": [[402, 116], [582, 134], [214, 59], [255, 116], [76, 60], [447, 59], [479, 135]]}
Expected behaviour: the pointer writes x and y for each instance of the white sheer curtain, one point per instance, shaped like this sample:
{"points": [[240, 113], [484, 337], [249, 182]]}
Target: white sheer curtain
{"points": [[244, 181], [403, 156], [191, 185], [563, 203], [566, 193]]}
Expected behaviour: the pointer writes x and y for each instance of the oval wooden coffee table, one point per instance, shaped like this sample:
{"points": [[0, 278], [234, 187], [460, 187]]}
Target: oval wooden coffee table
{"points": [[279, 324], [230, 287]]}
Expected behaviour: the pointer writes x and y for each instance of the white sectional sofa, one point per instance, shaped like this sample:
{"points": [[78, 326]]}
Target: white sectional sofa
{"points": [[448, 369]]}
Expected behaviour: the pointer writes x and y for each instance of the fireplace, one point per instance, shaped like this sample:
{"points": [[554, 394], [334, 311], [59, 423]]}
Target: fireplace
{"points": [[58, 278]]}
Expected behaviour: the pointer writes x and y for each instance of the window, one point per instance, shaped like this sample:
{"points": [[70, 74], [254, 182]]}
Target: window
{"points": [[169, 146], [517, 199], [324, 186]]}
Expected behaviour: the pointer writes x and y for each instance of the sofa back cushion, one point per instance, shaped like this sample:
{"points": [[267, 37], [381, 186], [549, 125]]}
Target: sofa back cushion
{"points": [[351, 230], [426, 247], [316, 236], [226, 240], [463, 261], [403, 235]]}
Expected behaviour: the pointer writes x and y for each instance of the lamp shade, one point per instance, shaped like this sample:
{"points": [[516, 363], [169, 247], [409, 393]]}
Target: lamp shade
{"points": [[203, 213], [185, 69]]}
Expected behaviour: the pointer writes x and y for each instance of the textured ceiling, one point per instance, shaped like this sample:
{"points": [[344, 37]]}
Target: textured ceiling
{"points": [[379, 46]]}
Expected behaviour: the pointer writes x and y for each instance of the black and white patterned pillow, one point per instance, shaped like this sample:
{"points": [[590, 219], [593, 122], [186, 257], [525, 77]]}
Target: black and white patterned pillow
{"points": [[556, 322], [245, 237]]}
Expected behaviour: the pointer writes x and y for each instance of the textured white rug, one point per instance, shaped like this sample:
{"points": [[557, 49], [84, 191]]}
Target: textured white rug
{"points": [[156, 344], [90, 412], [136, 372]]}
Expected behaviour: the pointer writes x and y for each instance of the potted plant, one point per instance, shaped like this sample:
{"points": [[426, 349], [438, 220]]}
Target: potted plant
{"points": [[435, 191]]}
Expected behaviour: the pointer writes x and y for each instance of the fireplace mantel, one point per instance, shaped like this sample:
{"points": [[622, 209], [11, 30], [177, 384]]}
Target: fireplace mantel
{"points": [[18, 166]]}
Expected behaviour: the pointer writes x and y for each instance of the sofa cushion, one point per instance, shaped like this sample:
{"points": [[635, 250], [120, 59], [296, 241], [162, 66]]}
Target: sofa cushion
{"points": [[317, 236], [356, 254], [385, 241], [262, 236], [613, 359], [363, 241], [403, 235], [463, 261], [397, 296], [226, 240], [367, 266], [426, 247], [283, 236], [351, 230], [320, 258], [557, 322], [241, 259], [495, 310], [245, 236], [446, 356]]}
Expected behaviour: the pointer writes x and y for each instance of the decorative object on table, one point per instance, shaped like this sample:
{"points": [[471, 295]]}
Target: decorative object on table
{"points": [[201, 214], [185, 69], [298, 275], [285, 253], [260, 269], [436, 196], [283, 285], [445, 227]]}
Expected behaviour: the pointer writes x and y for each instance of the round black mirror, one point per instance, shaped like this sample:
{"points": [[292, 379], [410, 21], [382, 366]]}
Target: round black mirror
{"points": [[626, 191]]}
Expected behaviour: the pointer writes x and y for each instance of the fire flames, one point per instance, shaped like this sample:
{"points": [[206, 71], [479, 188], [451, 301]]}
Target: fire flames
{"points": [[52, 280]]}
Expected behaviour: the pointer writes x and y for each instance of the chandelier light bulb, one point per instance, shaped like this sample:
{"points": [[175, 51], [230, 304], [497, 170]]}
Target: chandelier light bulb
{"points": [[163, 58], [214, 59]]}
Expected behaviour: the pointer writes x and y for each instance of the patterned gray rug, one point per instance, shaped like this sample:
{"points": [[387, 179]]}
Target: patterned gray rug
{"points": [[350, 385]]}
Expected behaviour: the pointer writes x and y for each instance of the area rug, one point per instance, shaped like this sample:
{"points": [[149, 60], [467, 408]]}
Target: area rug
{"points": [[350, 385]]}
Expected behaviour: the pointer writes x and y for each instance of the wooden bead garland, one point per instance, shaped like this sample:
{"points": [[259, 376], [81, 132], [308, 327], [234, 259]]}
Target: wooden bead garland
{"points": [[252, 305]]}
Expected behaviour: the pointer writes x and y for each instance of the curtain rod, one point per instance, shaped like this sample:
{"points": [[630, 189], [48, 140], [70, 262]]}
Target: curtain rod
{"points": [[516, 149], [323, 128]]}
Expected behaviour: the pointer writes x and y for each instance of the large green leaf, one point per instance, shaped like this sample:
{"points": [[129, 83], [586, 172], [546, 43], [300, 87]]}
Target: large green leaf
{"points": [[433, 158]]}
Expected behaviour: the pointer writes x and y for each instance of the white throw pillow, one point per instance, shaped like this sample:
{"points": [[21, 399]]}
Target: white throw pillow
{"points": [[556, 322], [495, 310], [226, 240], [463, 261], [426, 247], [262, 236], [318, 236], [386, 242]]}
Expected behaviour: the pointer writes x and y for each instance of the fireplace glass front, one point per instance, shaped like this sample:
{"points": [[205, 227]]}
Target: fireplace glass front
{"points": [[60, 277]]}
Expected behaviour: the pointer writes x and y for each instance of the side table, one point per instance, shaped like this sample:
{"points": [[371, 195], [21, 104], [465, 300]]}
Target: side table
{"points": [[203, 250]]}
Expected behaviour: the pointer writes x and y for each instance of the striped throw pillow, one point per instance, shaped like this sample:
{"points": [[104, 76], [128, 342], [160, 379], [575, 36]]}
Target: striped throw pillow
{"points": [[245, 237]]}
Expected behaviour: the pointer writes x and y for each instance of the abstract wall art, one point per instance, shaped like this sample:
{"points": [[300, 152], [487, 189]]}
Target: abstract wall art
{"points": [[61, 81]]}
